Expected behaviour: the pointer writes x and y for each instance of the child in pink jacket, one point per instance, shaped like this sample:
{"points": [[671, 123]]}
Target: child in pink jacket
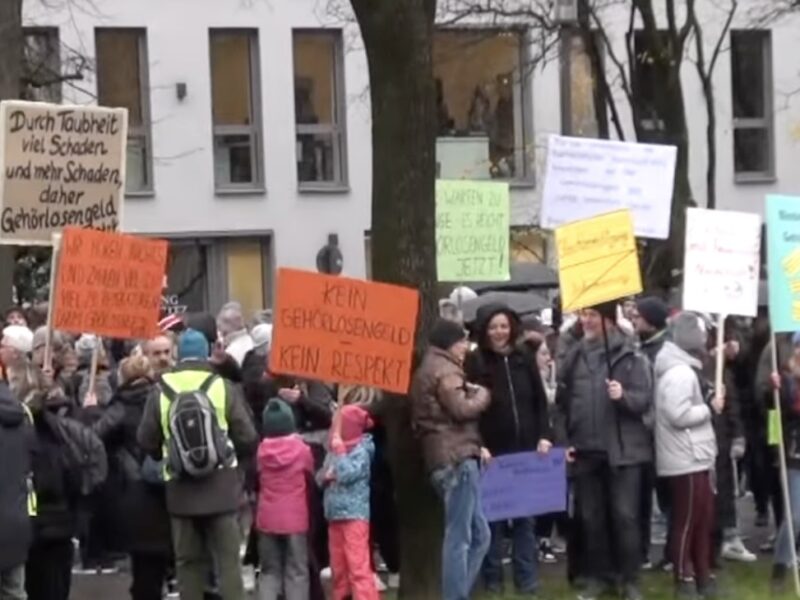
{"points": [[284, 460]]}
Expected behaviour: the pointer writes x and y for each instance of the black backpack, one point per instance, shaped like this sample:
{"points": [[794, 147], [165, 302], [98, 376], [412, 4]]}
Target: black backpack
{"points": [[197, 444]]}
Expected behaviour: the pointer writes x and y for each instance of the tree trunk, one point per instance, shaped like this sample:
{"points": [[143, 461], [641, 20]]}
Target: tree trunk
{"points": [[398, 38], [663, 258], [11, 56]]}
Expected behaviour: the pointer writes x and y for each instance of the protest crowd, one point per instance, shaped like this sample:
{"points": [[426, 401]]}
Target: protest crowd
{"points": [[214, 476]]}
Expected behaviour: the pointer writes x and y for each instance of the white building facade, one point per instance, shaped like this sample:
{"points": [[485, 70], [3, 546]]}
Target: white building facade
{"points": [[249, 145]]}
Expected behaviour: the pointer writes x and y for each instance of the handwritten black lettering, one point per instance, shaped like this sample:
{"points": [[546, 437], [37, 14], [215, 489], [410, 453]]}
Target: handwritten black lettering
{"points": [[299, 317], [344, 296]]}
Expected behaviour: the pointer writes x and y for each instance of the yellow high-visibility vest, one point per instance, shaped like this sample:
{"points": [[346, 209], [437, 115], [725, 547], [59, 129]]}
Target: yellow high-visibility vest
{"points": [[189, 381], [33, 502]]}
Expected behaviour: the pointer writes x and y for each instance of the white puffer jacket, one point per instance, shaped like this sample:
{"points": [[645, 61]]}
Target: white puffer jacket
{"points": [[685, 440]]}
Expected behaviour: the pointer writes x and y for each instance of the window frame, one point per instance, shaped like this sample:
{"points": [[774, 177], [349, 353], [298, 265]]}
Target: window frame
{"points": [[255, 131], [767, 122], [524, 140], [338, 129], [144, 131]]}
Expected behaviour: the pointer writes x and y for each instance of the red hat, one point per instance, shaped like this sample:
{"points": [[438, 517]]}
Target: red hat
{"points": [[354, 422]]}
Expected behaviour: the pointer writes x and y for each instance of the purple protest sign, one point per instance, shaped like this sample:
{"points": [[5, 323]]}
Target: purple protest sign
{"points": [[524, 485]]}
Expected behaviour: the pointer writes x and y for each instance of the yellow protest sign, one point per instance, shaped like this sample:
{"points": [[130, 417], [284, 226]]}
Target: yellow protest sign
{"points": [[597, 260]]}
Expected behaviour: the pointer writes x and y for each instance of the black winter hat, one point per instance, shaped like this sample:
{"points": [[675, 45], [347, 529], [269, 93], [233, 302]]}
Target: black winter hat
{"points": [[607, 310], [445, 333], [653, 310]]}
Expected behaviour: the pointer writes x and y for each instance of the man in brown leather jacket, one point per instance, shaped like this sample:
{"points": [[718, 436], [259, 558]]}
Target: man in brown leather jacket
{"points": [[445, 412]]}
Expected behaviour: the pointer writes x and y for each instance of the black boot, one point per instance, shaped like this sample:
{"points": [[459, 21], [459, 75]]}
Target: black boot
{"points": [[708, 590], [685, 590]]}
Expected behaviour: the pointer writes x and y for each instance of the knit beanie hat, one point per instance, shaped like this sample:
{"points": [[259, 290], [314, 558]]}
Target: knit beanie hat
{"points": [[18, 337], [193, 345], [653, 310], [445, 333], [262, 335], [354, 421], [205, 323], [277, 420], [689, 333], [607, 310]]}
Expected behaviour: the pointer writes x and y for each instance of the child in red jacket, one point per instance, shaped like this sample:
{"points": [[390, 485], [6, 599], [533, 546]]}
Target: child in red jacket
{"points": [[284, 461]]}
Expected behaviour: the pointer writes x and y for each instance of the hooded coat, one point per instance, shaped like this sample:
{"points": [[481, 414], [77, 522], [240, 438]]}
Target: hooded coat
{"points": [[685, 440], [139, 507], [283, 465], [517, 417], [16, 446]]}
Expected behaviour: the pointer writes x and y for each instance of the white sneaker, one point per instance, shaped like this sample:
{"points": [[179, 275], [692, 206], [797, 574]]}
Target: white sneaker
{"points": [[736, 551], [326, 573], [379, 585], [249, 578], [394, 581]]}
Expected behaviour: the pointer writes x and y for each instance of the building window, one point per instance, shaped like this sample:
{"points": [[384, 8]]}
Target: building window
{"points": [[246, 268], [751, 76], [319, 104], [649, 75], [123, 81], [187, 277], [41, 69], [482, 103], [236, 114], [579, 114]]}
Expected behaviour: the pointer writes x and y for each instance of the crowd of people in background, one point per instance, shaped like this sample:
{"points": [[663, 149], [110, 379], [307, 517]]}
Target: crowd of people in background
{"points": [[185, 458]]}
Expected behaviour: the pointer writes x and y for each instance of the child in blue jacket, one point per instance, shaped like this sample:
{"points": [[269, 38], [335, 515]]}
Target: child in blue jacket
{"points": [[346, 475]]}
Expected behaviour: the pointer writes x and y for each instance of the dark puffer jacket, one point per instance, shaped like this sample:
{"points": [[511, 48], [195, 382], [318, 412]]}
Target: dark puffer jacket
{"points": [[518, 416], [16, 446], [589, 420], [138, 507], [58, 486]]}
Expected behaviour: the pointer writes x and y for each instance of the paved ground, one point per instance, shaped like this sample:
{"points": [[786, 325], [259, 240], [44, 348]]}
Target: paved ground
{"points": [[106, 587]]}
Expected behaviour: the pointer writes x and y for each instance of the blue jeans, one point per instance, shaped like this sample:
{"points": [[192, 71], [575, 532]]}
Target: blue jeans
{"points": [[466, 533], [783, 543], [524, 556]]}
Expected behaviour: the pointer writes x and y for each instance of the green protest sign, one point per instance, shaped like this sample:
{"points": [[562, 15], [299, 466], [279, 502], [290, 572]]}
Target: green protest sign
{"points": [[472, 231]]}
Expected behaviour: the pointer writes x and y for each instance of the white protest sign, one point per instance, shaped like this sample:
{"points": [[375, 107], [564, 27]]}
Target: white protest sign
{"points": [[588, 177], [61, 166], [722, 262]]}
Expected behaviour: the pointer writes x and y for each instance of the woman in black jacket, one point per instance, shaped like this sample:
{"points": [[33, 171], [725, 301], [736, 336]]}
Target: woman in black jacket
{"points": [[48, 572], [139, 503], [516, 421]]}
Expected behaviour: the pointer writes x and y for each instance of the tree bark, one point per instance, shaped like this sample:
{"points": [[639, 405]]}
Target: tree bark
{"points": [[11, 56], [663, 258], [398, 39]]}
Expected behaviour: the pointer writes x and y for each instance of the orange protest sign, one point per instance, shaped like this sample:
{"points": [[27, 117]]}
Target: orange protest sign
{"points": [[344, 330], [109, 284]]}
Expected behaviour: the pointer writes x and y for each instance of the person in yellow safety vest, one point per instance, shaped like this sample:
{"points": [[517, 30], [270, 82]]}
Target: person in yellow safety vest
{"points": [[17, 499], [204, 486]]}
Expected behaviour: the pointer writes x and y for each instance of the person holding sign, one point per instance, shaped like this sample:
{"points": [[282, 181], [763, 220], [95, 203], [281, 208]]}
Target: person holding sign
{"points": [[686, 450], [604, 393], [788, 383], [516, 421], [444, 412]]}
